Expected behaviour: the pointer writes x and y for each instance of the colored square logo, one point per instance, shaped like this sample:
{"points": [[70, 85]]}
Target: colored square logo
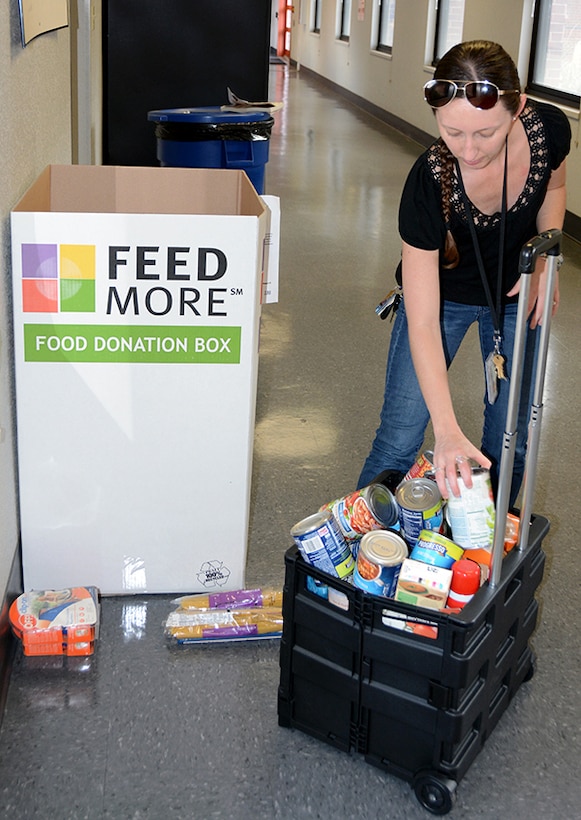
{"points": [[39, 261], [77, 262], [77, 296], [40, 295], [58, 279]]}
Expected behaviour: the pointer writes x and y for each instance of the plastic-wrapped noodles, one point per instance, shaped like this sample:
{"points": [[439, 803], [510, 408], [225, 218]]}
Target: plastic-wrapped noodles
{"points": [[236, 599], [224, 624]]}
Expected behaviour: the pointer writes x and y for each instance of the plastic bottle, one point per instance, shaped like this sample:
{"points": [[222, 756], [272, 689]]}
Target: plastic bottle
{"points": [[466, 575]]}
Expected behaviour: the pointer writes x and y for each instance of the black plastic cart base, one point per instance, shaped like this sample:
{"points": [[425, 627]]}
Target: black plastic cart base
{"points": [[419, 706], [418, 691]]}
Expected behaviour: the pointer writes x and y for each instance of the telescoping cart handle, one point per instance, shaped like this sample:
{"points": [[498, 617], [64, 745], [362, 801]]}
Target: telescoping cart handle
{"points": [[545, 244]]}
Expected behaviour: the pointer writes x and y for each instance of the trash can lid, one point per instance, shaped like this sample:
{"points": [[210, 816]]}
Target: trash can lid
{"points": [[211, 114]]}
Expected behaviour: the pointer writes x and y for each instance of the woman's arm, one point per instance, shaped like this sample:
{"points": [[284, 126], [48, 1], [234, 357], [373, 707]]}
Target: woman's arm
{"points": [[550, 215], [421, 290]]}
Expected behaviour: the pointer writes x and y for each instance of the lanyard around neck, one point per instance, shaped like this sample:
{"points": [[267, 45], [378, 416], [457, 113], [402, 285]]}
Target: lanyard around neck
{"points": [[494, 308]]}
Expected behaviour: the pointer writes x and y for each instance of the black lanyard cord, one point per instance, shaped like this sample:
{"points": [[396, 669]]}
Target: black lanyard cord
{"points": [[494, 308]]}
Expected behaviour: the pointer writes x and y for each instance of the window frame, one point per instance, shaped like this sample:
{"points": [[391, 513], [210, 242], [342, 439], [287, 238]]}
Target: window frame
{"points": [[344, 20], [546, 92], [441, 7], [316, 10], [383, 5]]}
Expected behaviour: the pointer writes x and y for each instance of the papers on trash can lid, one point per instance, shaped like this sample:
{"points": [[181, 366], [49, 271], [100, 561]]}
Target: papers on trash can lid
{"points": [[235, 103]]}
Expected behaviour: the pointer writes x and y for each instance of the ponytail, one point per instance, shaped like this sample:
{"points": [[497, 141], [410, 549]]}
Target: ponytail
{"points": [[451, 255]]}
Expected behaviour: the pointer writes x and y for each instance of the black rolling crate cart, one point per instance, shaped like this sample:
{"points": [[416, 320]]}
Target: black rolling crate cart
{"points": [[414, 690]]}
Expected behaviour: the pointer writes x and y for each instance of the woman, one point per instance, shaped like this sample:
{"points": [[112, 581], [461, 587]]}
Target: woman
{"points": [[501, 159]]}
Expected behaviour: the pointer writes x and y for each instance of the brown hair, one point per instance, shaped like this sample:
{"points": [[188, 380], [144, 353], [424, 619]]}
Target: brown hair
{"points": [[473, 60]]}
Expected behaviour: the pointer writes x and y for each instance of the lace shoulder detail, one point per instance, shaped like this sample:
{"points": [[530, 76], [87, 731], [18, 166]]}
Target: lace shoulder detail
{"points": [[539, 160]]}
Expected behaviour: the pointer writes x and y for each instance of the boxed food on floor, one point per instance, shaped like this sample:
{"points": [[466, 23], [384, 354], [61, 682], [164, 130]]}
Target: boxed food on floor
{"points": [[57, 621]]}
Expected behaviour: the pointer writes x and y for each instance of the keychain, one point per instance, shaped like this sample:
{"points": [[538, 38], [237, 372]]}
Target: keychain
{"points": [[389, 305], [497, 357], [495, 370]]}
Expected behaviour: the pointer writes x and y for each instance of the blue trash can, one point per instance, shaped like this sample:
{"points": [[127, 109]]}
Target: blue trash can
{"points": [[211, 138]]}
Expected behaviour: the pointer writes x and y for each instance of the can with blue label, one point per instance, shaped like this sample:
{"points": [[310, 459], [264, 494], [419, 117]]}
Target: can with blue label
{"points": [[379, 561], [322, 545], [420, 508], [434, 548]]}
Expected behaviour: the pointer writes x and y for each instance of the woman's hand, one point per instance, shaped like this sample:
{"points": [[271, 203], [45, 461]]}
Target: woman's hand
{"points": [[451, 456], [538, 295]]}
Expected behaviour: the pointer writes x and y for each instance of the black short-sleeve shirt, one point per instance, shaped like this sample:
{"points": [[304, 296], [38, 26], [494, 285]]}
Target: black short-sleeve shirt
{"points": [[421, 222]]}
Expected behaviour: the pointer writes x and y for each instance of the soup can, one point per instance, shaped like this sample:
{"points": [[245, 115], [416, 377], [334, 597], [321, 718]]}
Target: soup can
{"points": [[322, 545], [434, 548], [420, 508], [372, 508], [471, 515], [379, 561], [422, 466]]}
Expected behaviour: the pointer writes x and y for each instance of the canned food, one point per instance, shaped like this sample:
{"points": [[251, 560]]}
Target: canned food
{"points": [[372, 508], [378, 562], [434, 548], [422, 466], [420, 508], [322, 545], [471, 515]]}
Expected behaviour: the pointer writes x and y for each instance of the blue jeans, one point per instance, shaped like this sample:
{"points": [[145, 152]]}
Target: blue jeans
{"points": [[404, 416]]}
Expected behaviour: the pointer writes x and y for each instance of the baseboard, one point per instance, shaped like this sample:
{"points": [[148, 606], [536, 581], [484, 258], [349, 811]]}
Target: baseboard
{"points": [[572, 226], [7, 640]]}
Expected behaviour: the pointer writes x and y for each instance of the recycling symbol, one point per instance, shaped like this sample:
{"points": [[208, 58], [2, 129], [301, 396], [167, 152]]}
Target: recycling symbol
{"points": [[213, 574]]}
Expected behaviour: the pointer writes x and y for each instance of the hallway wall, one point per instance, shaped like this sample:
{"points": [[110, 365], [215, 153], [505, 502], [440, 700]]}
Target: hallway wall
{"points": [[393, 82], [35, 130]]}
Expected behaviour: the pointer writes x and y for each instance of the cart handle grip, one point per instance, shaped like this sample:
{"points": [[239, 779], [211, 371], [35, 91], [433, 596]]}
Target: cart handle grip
{"points": [[547, 242]]}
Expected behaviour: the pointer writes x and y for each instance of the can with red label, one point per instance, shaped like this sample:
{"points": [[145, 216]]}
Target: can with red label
{"points": [[379, 561], [420, 508], [372, 508], [422, 466]]}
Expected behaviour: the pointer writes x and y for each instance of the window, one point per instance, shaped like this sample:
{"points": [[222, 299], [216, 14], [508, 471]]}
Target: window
{"points": [[316, 11], [384, 26], [344, 19], [555, 66], [449, 26]]}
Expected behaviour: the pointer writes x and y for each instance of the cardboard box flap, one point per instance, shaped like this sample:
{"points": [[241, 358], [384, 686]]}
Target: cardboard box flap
{"points": [[128, 189]]}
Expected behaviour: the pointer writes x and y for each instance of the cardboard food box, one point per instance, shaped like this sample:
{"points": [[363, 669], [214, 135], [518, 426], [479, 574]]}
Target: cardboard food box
{"points": [[57, 621], [423, 584], [137, 299]]}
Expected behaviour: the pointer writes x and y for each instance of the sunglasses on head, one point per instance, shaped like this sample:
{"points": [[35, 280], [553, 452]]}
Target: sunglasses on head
{"points": [[479, 93]]}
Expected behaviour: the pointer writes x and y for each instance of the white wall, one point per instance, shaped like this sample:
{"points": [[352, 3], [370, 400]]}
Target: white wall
{"points": [[35, 130], [394, 83]]}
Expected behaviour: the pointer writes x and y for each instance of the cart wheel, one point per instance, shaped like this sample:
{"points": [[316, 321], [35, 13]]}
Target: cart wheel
{"points": [[530, 673], [435, 793], [531, 670]]}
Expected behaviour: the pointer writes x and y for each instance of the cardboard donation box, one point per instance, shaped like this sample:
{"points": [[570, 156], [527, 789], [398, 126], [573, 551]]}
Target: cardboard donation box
{"points": [[137, 296]]}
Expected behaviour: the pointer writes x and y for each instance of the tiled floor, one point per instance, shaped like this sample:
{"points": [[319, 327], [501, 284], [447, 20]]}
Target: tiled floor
{"points": [[142, 730]]}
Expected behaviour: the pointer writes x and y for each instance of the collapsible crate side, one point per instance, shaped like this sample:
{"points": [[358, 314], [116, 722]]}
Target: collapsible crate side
{"points": [[317, 711], [454, 759], [398, 706], [389, 659], [397, 747], [323, 628], [327, 676], [327, 621]]}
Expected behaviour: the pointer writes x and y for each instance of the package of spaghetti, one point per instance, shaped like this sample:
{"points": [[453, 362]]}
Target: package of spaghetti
{"points": [[237, 599], [203, 626]]}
